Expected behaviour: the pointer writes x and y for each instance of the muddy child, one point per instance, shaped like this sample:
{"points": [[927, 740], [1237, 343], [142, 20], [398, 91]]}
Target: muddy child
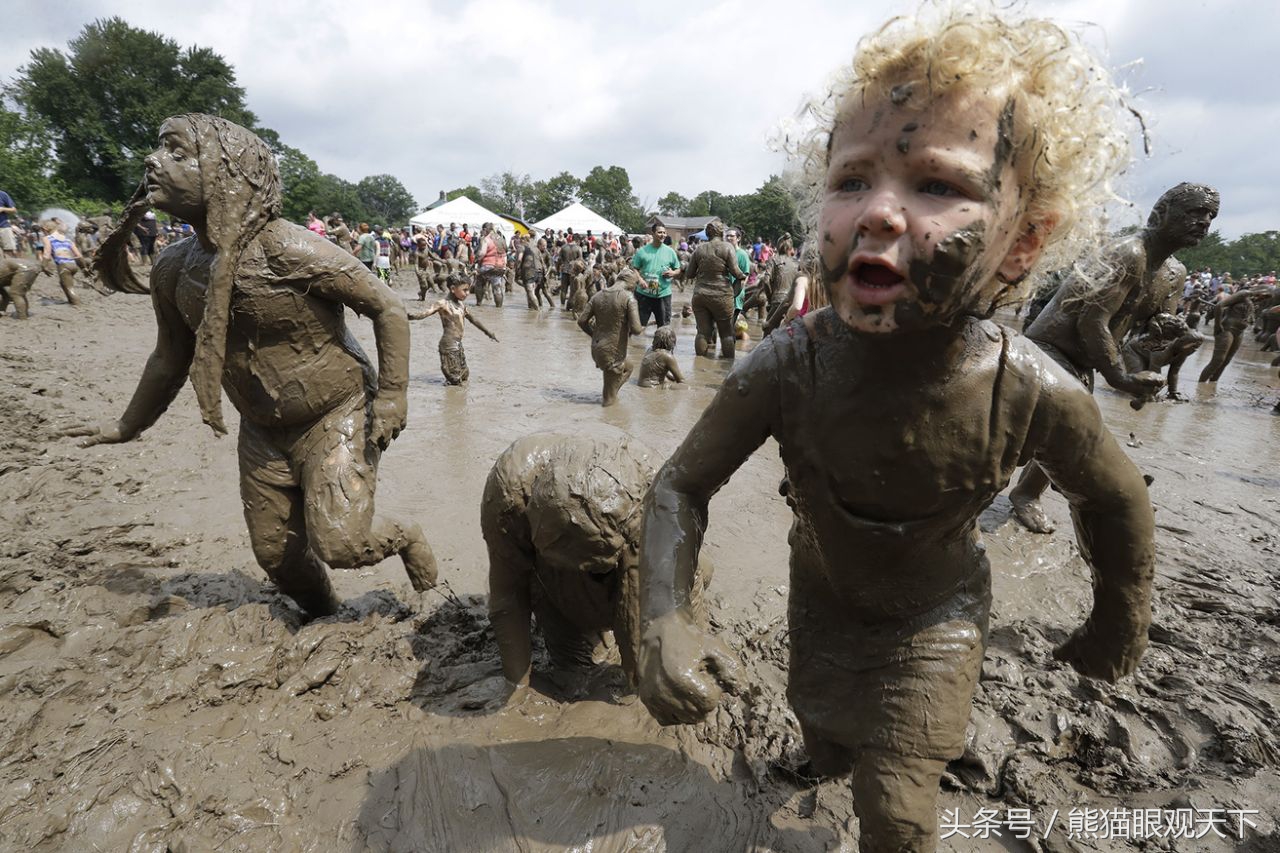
{"points": [[950, 157], [453, 311], [611, 317], [254, 305], [561, 520], [659, 363]]}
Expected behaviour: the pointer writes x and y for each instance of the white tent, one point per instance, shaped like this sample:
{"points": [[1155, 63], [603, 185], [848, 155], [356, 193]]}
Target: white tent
{"points": [[581, 219], [462, 211]]}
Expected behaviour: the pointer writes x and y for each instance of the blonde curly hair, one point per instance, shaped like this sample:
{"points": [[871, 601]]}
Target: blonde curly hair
{"points": [[1071, 129]]}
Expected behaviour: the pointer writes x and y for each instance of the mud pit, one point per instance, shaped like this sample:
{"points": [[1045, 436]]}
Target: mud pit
{"points": [[156, 693]]}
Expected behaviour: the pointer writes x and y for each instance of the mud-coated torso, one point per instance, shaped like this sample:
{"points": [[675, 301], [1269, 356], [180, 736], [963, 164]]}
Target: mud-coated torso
{"points": [[290, 357], [887, 487], [1235, 317], [711, 268]]}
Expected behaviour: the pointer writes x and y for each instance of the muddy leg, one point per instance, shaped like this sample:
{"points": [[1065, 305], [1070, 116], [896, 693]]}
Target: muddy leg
{"points": [[896, 800], [496, 286], [510, 575], [724, 328], [66, 278], [613, 382], [530, 302], [1233, 346], [278, 536], [1025, 498], [338, 481], [826, 758], [1221, 343], [704, 324]]}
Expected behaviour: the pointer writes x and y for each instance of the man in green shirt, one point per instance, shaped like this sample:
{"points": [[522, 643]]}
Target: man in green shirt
{"points": [[656, 263], [744, 264]]}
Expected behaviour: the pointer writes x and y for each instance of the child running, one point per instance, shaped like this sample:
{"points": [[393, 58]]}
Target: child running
{"points": [[953, 153], [452, 311]]}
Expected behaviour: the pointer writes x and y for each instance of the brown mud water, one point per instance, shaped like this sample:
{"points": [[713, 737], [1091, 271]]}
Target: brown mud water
{"points": [[157, 693]]}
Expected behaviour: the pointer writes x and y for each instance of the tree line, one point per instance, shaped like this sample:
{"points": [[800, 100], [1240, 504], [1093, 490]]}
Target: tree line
{"points": [[1250, 254], [75, 126]]}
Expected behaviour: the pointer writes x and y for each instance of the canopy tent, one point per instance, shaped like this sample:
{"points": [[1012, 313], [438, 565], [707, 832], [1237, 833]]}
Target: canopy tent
{"points": [[462, 211], [581, 219]]}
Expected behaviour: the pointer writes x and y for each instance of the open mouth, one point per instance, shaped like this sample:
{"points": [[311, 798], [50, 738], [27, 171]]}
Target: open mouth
{"points": [[876, 283]]}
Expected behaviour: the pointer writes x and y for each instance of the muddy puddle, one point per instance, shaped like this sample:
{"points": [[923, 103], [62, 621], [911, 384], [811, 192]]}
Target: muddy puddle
{"points": [[157, 694]]}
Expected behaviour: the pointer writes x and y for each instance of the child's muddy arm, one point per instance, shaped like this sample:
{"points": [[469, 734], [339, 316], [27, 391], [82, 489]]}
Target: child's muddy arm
{"points": [[673, 368], [167, 367], [633, 317], [510, 610], [1115, 528], [429, 312], [682, 670], [481, 326], [584, 320]]}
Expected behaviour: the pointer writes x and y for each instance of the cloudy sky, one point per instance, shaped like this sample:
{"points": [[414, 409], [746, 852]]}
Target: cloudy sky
{"points": [[685, 96]]}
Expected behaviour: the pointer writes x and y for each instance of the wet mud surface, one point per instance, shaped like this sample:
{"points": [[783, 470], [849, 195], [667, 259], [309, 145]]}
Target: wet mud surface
{"points": [[157, 693]]}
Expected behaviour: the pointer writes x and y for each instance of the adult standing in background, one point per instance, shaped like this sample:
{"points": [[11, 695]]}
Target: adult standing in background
{"points": [[657, 263]]}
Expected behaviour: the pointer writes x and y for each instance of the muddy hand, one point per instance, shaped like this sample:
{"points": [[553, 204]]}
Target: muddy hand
{"points": [[389, 414], [683, 671], [91, 434], [1103, 656]]}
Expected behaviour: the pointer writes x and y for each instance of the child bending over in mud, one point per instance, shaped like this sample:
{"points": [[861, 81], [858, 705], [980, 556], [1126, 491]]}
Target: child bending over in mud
{"points": [[951, 155], [452, 311]]}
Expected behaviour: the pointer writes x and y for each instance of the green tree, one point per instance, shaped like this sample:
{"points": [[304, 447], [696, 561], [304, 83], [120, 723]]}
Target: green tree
{"points": [[509, 192], [104, 100], [1212, 252], [552, 196], [768, 212], [674, 204], [334, 194], [26, 162], [301, 180], [608, 192], [386, 199]]}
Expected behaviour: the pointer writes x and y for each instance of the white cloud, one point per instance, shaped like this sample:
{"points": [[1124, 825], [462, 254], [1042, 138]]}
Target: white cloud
{"points": [[684, 96]]}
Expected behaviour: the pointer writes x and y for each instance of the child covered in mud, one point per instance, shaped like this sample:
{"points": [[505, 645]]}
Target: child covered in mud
{"points": [[951, 155], [16, 278], [659, 363], [452, 311], [611, 317], [561, 520]]}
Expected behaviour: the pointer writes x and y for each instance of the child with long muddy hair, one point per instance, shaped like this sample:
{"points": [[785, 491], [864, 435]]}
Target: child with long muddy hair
{"points": [[255, 305], [955, 153]]}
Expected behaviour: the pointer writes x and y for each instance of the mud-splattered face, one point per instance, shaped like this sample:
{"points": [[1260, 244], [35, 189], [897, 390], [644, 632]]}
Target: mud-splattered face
{"points": [[920, 211], [173, 172]]}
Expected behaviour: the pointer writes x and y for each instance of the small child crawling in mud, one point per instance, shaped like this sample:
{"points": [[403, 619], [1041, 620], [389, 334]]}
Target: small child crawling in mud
{"points": [[452, 311], [561, 519], [953, 154]]}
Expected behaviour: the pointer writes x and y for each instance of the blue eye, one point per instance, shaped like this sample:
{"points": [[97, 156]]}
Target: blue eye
{"points": [[852, 185], [939, 188]]}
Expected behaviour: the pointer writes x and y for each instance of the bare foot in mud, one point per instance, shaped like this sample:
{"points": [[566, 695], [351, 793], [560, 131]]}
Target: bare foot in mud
{"points": [[1030, 514], [419, 562]]}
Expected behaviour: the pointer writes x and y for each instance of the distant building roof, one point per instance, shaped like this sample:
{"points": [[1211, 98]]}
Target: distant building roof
{"points": [[686, 223], [442, 200]]}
